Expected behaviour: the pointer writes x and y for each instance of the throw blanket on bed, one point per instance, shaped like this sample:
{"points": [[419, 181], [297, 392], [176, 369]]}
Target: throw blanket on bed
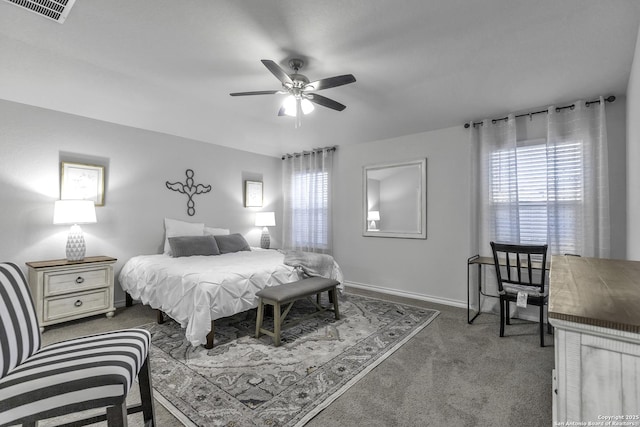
{"points": [[312, 264]]}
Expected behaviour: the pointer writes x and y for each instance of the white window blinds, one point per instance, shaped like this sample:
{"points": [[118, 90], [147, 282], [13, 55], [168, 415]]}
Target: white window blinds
{"points": [[307, 181], [538, 176], [309, 224]]}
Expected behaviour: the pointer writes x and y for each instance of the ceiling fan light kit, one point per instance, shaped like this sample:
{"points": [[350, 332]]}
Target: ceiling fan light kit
{"points": [[290, 106], [300, 91]]}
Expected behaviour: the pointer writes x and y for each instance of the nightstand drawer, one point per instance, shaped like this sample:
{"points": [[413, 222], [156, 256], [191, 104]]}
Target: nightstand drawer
{"points": [[76, 304], [56, 283]]}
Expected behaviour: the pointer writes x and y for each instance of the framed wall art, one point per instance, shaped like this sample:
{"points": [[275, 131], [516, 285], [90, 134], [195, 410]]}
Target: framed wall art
{"points": [[252, 194], [82, 182]]}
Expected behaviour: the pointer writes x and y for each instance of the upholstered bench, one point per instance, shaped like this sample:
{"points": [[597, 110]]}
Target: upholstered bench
{"points": [[289, 293]]}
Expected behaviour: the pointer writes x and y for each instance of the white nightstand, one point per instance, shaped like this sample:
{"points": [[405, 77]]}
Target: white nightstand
{"points": [[66, 290]]}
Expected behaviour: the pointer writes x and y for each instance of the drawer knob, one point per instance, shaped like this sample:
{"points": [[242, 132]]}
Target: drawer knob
{"points": [[78, 303], [79, 280]]}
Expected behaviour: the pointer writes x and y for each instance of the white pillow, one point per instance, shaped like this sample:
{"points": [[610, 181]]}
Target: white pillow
{"points": [[175, 228], [216, 231]]}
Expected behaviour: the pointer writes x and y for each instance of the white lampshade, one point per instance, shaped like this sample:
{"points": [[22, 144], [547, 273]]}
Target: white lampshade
{"points": [[265, 219], [373, 216], [74, 212], [289, 105]]}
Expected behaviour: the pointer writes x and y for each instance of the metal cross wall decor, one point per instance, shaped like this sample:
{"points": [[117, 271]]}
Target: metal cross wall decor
{"points": [[189, 189]]}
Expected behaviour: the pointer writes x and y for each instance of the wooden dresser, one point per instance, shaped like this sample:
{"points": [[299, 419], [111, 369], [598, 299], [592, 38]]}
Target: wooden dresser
{"points": [[594, 305]]}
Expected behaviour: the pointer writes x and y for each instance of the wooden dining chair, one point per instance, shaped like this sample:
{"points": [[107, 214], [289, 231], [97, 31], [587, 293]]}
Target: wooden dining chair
{"points": [[521, 269], [95, 371]]}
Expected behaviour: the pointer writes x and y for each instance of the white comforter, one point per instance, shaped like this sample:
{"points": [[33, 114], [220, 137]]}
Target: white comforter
{"points": [[198, 289]]}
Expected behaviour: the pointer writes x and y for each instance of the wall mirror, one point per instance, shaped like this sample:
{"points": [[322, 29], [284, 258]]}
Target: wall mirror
{"points": [[395, 200]]}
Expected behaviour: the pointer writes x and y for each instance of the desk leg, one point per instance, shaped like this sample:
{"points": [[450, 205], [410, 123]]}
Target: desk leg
{"points": [[469, 318]]}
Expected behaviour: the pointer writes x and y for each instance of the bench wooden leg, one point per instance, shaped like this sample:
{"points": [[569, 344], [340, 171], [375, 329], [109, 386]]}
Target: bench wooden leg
{"points": [[209, 344], [333, 295], [160, 317], [277, 323], [259, 317]]}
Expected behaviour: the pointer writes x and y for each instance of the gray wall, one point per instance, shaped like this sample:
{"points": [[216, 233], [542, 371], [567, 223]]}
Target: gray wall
{"points": [[432, 269], [138, 163]]}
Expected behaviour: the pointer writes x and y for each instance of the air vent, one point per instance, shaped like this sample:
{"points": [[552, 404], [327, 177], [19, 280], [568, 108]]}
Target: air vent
{"points": [[56, 10]]}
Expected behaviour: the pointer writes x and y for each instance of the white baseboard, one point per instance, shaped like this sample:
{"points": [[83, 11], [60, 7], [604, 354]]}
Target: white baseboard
{"points": [[405, 294]]}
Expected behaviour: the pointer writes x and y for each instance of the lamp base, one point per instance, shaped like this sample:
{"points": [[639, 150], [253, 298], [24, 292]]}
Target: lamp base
{"points": [[265, 239], [76, 247]]}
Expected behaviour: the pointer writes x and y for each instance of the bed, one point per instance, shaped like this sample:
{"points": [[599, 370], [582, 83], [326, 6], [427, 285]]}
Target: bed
{"points": [[196, 290]]}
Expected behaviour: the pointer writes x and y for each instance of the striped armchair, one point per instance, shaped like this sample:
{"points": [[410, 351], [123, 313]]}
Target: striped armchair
{"points": [[90, 372]]}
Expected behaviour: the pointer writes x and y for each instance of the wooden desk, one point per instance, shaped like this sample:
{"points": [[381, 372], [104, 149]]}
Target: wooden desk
{"points": [[594, 304], [481, 261]]}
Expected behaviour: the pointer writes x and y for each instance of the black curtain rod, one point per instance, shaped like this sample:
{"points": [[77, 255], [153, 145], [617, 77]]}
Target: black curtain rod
{"points": [[610, 98], [307, 153]]}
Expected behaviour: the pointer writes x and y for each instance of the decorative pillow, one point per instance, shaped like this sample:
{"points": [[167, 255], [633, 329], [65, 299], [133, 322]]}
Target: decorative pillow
{"points": [[193, 245], [232, 243], [174, 228], [216, 231]]}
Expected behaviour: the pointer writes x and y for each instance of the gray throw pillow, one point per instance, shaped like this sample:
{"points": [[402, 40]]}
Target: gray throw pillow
{"points": [[232, 243], [193, 245]]}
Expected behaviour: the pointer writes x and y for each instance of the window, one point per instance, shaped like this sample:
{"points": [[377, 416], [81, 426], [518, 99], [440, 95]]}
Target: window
{"points": [[307, 181], [545, 186], [310, 210]]}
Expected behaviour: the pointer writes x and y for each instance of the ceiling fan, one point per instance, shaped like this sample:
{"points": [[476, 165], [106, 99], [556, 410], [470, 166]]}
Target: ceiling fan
{"points": [[301, 91]]}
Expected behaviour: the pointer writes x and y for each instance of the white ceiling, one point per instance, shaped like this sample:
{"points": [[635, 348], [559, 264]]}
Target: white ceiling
{"points": [[169, 66]]}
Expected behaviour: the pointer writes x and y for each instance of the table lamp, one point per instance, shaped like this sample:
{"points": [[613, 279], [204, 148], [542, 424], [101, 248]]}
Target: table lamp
{"points": [[264, 220], [373, 216], [74, 212]]}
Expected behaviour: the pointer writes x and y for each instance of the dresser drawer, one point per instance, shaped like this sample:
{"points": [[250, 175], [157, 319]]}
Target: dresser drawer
{"points": [[57, 283], [77, 304]]}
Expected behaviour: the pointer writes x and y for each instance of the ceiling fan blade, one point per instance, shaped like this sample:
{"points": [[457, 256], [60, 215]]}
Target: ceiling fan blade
{"points": [[330, 82], [257, 92], [277, 71], [325, 102]]}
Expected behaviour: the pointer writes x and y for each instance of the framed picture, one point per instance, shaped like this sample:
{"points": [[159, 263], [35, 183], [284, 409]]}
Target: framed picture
{"points": [[252, 194], [82, 182]]}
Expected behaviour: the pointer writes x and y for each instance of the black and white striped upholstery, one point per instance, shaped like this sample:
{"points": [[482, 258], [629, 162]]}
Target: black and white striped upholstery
{"points": [[19, 333], [89, 372]]}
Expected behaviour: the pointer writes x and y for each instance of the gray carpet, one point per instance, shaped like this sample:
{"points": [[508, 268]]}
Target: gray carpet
{"points": [[451, 373]]}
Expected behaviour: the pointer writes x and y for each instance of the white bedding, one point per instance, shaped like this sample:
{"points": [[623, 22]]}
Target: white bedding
{"points": [[198, 289]]}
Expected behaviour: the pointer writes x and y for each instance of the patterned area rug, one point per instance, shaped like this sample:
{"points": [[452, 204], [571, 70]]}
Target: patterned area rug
{"points": [[245, 381]]}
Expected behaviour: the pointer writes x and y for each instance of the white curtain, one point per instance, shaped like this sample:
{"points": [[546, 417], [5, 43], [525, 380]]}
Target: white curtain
{"points": [[307, 181], [585, 128], [499, 213], [551, 190]]}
